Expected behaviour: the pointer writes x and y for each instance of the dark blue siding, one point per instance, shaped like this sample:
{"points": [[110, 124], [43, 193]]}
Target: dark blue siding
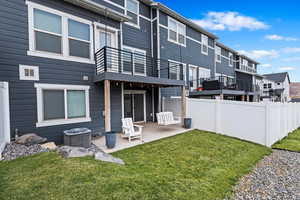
{"points": [[13, 51]]}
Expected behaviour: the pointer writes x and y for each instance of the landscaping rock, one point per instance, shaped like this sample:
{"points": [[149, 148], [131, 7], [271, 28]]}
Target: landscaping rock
{"points": [[74, 152], [14, 150], [50, 145], [275, 177], [30, 139], [108, 158]]}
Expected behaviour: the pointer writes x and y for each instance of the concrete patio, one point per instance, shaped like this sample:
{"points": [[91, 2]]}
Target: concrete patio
{"points": [[151, 132]]}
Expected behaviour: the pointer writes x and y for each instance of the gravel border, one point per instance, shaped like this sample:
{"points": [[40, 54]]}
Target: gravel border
{"points": [[277, 176], [13, 151]]}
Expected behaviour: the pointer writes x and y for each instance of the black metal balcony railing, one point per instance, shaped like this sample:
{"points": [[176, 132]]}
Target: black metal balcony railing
{"points": [[114, 60], [222, 82]]}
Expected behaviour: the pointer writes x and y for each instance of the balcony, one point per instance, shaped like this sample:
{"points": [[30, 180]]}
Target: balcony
{"points": [[120, 65], [219, 83], [246, 68]]}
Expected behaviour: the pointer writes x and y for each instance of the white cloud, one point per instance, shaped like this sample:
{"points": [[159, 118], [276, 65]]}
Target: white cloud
{"points": [[291, 50], [266, 65], [279, 37], [291, 59], [232, 21], [286, 68], [257, 54]]}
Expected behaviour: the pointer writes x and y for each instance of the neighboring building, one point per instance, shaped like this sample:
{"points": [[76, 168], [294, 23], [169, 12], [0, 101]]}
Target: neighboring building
{"points": [[295, 92], [90, 63], [235, 77], [276, 87]]}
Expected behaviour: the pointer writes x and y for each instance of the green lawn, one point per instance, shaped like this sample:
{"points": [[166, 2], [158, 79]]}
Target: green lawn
{"points": [[291, 142], [195, 165]]}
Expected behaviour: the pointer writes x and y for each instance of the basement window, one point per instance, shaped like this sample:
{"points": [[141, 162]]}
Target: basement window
{"points": [[30, 73]]}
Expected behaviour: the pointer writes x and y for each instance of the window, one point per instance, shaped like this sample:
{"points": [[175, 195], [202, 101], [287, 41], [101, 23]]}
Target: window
{"points": [[57, 35], [218, 54], [29, 73], [269, 85], [132, 10], [177, 70], [193, 77], [245, 62], [278, 83], [136, 58], [62, 104], [79, 39], [176, 32], [265, 86], [204, 40], [230, 59]]}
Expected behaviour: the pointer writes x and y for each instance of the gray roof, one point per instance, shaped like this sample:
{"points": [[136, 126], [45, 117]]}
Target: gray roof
{"points": [[277, 77]]}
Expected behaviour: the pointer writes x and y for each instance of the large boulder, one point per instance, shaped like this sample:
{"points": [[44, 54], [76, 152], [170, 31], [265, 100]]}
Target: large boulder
{"points": [[108, 158], [74, 152], [30, 139]]}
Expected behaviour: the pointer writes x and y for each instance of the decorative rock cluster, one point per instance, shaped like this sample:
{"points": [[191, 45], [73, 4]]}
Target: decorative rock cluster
{"points": [[74, 152]]}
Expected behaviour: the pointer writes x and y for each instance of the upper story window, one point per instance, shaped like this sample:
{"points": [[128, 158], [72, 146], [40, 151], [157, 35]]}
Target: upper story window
{"points": [[204, 40], [132, 10], [54, 34], [177, 32], [245, 62], [79, 39], [218, 54], [230, 59], [265, 86], [269, 85]]}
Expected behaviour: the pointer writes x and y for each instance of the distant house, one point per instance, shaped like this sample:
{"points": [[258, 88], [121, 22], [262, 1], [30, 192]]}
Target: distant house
{"points": [[295, 92], [276, 87]]}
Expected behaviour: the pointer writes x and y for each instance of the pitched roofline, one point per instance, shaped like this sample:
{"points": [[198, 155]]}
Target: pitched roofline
{"points": [[95, 7], [226, 47], [179, 17], [286, 73], [246, 57]]}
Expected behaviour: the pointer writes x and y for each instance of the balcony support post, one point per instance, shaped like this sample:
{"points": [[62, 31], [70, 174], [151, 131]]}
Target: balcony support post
{"points": [[183, 104], [107, 111]]}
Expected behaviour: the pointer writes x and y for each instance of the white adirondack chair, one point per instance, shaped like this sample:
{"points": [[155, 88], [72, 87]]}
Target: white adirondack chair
{"points": [[128, 129], [166, 118]]}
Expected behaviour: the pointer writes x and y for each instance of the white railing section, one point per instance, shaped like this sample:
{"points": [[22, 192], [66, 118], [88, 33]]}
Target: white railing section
{"points": [[4, 116], [262, 123]]}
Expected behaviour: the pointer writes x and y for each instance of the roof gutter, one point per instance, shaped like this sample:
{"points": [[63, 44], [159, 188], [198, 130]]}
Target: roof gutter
{"points": [[97, 8], [226, 47], [182, 19]]}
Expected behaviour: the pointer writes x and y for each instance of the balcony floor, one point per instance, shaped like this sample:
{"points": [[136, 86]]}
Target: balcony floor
{"points": [[137, 79], [151, 132]]}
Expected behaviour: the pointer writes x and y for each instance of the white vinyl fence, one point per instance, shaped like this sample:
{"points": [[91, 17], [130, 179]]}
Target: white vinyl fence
{"points": [[4, 116], [262, 123]]}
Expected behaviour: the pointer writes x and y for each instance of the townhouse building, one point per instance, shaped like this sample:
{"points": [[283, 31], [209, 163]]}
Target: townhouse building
{"points": [[276, 87], [90, 63]]}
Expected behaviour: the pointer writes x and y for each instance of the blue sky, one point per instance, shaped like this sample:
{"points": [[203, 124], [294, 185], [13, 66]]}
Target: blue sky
{"points": [[266, 30]]}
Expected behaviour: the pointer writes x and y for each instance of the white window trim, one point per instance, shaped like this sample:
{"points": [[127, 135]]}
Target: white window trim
{"points": [[101, 27], [22, 73], [184, 69], [65, 36], [138, 14], [143, 52], [177, 32], [230, 55], [40, 113], [197, 75], [204, 44], [218, 53]]}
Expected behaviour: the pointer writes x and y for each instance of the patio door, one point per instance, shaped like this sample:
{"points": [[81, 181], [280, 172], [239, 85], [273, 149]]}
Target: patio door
{"points": [[135, 106], [108, 37]]}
